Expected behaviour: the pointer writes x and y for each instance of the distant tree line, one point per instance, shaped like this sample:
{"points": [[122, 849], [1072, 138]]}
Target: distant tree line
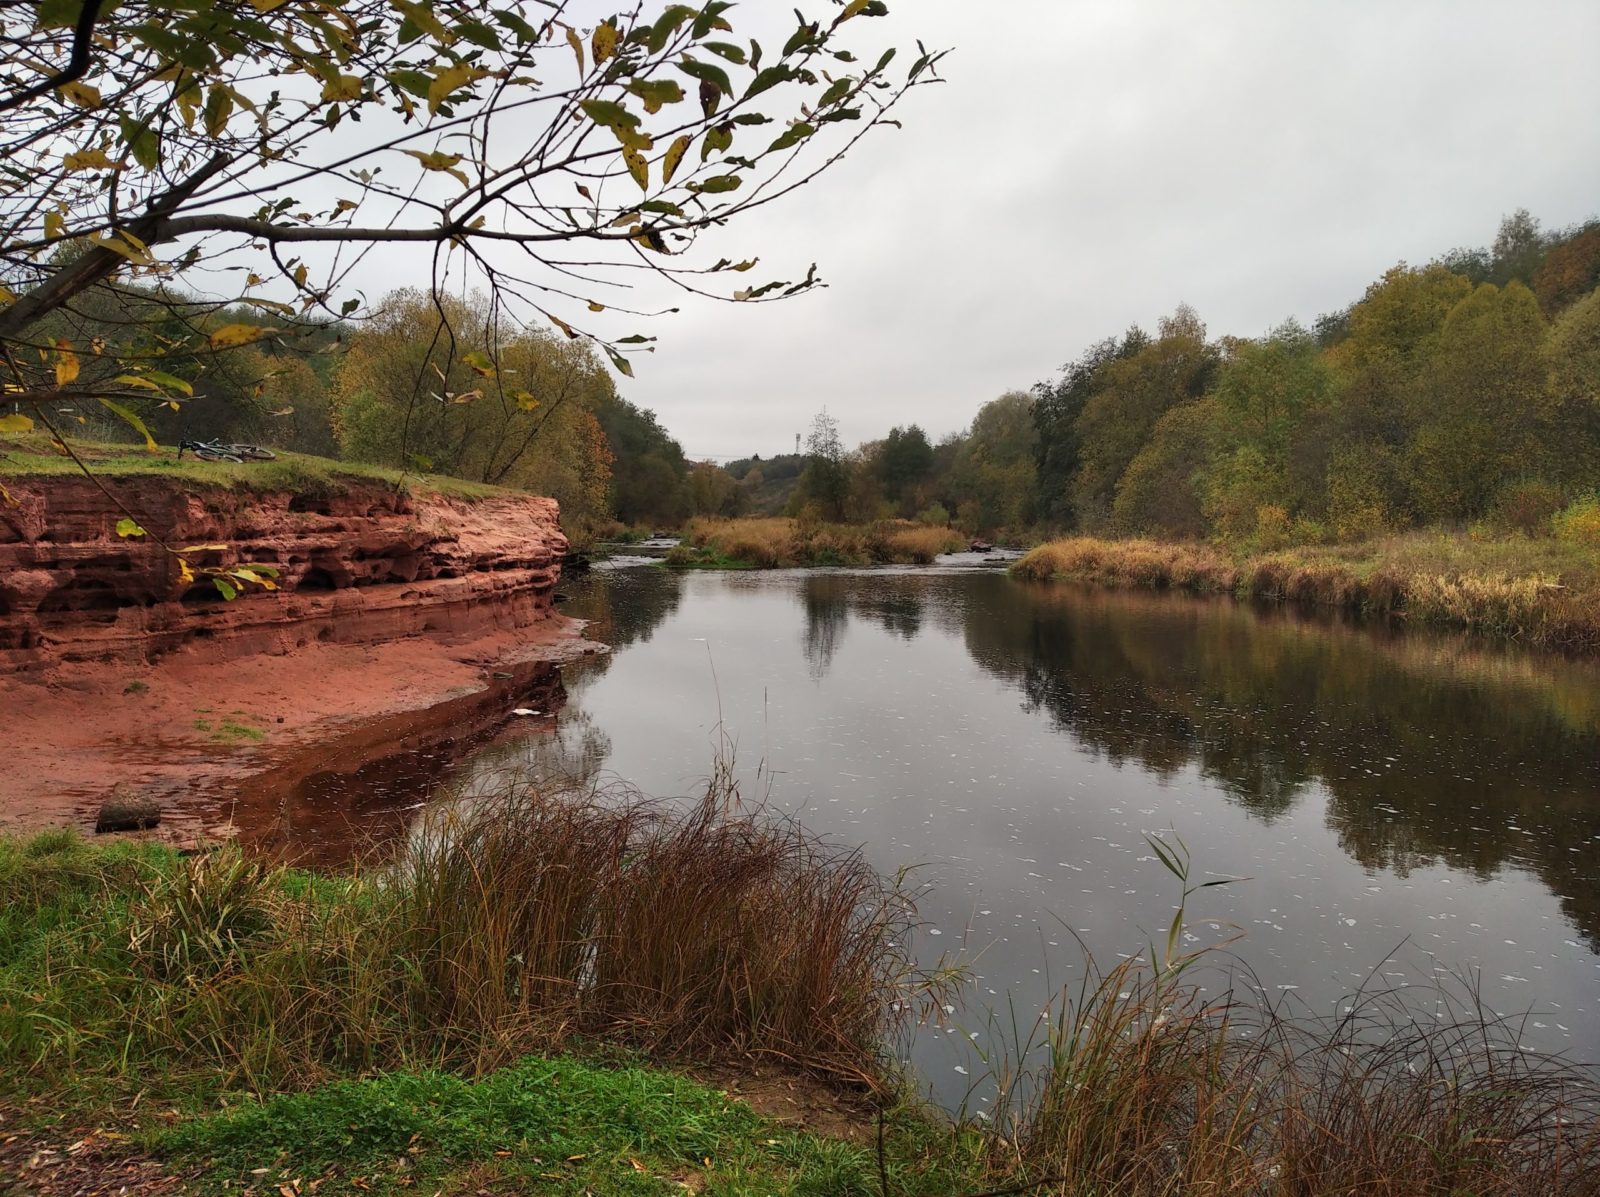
{"points": [[1462, 391]]}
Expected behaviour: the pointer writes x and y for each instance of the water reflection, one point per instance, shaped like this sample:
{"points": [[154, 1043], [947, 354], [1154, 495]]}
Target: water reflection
{"points": [[1431, 750], [1381, 790]]}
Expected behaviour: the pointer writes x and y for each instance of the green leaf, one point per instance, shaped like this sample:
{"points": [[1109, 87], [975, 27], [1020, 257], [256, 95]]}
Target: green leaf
{"points": [[620, 362], [792, 136], [668, 23], [769, 78], [718, 184], [839, 89], [526, 33], [479, 34], [727, 50], [656, 92], [717, 140], [133, 421], [127, 527], [171, 381], [225, 588], [609, 113], [219, 106], [414, 82], [142, 141], [707, 73], [710, 17]]}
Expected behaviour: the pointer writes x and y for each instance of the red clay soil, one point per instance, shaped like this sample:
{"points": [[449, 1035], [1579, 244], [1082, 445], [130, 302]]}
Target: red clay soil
{"points": [[397, 618], [168, 730]]}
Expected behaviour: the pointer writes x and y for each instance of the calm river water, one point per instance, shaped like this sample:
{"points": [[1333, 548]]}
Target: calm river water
{"points": [[1399, 803]]}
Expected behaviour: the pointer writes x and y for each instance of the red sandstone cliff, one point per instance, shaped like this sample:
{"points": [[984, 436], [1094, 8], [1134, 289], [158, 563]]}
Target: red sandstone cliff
{"points": [[363, 566]]}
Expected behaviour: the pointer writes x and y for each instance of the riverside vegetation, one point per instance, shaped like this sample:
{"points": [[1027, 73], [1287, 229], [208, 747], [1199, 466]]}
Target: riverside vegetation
{"points": [[786, 543], [1545, 593], [502, 1004]]}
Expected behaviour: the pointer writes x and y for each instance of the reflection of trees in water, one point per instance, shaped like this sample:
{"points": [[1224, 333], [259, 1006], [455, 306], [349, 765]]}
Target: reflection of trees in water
{"points": [[825, 599], [895, 602], [1428, 751], [622, 607]]}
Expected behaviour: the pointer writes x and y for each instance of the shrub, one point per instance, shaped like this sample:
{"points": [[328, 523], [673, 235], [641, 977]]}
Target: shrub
{"points": [[1526, 507], [934, 514], [1579, 522]]}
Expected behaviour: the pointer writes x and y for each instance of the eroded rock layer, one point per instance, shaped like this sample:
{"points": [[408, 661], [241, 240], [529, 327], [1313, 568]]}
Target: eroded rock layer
{"points": [[365, 565]]}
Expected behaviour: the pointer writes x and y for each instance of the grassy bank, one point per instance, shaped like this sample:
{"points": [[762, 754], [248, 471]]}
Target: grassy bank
{"points": [[299, 473], [1542, 592], [786, 543], [478, 1016]]}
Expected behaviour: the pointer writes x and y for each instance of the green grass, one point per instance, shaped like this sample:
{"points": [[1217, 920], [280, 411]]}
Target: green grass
{"points": [[560, 1124], [493, 1014], [229, 729], [32, 457]]}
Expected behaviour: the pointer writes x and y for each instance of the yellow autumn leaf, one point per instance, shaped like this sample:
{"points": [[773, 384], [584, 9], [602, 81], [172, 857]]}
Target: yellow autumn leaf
{"points": [[84, 95], [185, 574], [450, 80], [66, 363], [88, 160], [675, 153], [15, 423], [439, 160], [638, 167], [603, 43], [342, 87], [54, 225], [230, 335], [576, 43]]}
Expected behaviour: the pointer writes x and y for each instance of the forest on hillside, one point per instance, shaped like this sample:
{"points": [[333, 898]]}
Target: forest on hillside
{"points": [[1462, 392], [1459, 392]]}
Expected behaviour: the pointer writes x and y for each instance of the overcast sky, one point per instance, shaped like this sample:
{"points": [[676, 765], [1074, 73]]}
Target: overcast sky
{"points": [[1089, 165]]}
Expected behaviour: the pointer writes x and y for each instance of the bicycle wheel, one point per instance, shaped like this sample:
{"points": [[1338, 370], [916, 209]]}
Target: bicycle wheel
{"points": [[252, 452], [217, 455]]}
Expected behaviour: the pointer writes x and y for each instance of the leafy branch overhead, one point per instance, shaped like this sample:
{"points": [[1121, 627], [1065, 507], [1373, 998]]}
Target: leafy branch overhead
{"points": [[238, 159]]}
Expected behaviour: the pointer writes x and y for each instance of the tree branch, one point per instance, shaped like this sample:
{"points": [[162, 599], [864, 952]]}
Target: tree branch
{"points": [[77, 65], [99, 263]]}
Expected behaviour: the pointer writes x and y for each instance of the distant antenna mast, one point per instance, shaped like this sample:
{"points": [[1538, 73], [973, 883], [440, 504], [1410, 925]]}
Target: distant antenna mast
{"points": [[797, 444]]}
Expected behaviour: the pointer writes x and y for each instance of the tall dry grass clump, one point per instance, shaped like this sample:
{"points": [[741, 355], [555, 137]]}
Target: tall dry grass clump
{"points": [[1541, 592], [762, 543], [1150, 1087], [787, 543], [919, 544], [1142, 563], [503, 927]]}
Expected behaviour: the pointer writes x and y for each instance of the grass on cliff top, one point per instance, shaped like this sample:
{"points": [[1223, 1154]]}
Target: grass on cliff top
{"points": [[32, 457]]}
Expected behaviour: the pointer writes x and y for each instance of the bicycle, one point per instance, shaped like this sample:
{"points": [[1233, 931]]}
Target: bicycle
{"points": [[219, 451]]}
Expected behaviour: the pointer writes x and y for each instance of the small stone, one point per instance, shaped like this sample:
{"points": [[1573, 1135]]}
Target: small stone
{"points": [[127, 811]]}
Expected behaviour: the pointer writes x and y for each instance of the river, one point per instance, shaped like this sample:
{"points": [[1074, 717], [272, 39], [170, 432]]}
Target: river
{"points": [[1398, 806]]}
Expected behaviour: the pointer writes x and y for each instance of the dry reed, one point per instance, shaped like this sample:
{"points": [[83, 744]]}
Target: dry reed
{"points": [[787, 543], [1539, 593]]}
